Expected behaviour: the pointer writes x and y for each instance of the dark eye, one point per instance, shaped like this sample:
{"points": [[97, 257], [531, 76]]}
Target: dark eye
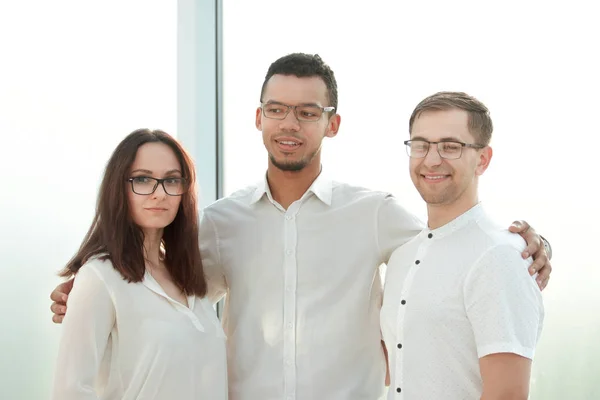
{"points": [[173, 181], [141, 179], [275, 109], [451, 147], [419, 145]]}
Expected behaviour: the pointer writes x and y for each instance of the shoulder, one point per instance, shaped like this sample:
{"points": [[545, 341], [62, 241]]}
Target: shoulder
{"points": [[498, 238], [99, 268], [354, 192], [237, 198]]}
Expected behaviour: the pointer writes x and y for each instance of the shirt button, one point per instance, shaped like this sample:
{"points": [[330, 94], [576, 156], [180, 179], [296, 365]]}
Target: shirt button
{"points": [[290, 325], [289, 252], [288, 362], [403, 302], [418, 262], [288, 289], [430, 235], [399, 345], [398, 390], [289, 217]]}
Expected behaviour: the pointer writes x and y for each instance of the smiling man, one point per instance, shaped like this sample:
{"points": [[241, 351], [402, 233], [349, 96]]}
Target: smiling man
{"points": [[461, 315]]}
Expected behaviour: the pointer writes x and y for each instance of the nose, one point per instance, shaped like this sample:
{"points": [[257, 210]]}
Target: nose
{"points": [[433, 157], [159, 192], [290, 123]]}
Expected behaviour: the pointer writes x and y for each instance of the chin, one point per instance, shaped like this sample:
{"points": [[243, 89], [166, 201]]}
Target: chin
{"points": [[289, 165]]}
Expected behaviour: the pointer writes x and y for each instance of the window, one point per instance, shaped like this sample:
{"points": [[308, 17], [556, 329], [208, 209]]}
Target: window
{"points": [[77, 77]]}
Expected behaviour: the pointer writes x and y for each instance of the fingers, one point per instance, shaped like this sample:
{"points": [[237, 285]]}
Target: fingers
{"points": [[61, 292], [57, 319], [538, 264], [519, 226], [544, 275], [58, 309], [58, 297], [533, 248]]}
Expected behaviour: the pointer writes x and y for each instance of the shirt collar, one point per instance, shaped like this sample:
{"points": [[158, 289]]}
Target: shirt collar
{"points": [[322, 187], [473, 214]]}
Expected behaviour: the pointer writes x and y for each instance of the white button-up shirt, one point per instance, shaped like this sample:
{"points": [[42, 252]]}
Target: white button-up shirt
{"points": [[453, 295], [126, 341], [303, 288]]}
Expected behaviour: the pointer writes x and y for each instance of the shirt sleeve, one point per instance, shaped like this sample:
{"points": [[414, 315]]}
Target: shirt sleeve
{"points": [[503, 303], [85, 334], [211, 259], [395, 226]]}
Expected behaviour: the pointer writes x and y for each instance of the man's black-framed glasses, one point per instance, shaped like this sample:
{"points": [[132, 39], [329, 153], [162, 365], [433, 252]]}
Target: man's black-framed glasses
{"points": [[145, 185], [448, 149], [308, 113]]}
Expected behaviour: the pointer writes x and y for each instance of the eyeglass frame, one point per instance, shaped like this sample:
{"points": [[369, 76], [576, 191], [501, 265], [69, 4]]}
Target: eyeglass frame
{"points": [[323, 110], [463, 145], [158, 182]]}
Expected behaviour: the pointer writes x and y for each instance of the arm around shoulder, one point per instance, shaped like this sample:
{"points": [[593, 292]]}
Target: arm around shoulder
{"points": [[395, 226]]}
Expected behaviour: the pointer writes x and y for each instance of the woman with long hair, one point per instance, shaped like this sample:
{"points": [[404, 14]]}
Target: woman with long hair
{"points": [[139, 325]]}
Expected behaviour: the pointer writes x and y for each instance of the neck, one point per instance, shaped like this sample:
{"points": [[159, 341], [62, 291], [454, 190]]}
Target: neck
{"points": [[152, 238], [440, 214], [289, 186]]}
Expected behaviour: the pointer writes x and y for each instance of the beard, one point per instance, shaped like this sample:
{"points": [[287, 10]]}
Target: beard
{"points": [[292, 166]]}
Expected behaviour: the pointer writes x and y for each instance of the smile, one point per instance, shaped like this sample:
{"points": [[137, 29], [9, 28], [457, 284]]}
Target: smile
{"points": [[435, 178], [288, 144]]}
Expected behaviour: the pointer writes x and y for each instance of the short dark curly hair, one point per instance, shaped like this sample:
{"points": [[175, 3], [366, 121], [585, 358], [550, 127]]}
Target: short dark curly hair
{"points": [[303, 66]]}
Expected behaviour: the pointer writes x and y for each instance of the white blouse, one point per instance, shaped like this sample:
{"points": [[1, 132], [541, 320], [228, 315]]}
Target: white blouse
{"points": [[125, 341]]}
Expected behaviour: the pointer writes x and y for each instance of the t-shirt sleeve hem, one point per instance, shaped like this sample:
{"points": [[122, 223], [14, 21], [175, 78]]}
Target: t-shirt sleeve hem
{"points": [[514, 348]]}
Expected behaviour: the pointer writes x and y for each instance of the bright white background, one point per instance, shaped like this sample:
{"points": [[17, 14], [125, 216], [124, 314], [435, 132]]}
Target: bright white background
{"points": [[534, 64], [75, 78]]}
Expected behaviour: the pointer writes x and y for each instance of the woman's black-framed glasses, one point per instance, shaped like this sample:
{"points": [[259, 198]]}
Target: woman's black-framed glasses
{"points": [[145, 185]]}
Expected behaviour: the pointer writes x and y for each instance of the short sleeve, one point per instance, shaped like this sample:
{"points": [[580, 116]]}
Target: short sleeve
{"points": [[211, 259], [395, 226], [503, 303]]}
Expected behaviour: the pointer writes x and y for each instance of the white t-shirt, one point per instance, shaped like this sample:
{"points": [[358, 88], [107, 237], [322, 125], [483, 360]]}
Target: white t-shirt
{"points": [[126, 341], [453, 295], [303, 288]]}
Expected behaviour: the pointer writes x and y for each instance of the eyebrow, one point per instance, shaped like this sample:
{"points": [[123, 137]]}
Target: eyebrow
{"points": [[444, 139], [298, 105], [145, 171]]}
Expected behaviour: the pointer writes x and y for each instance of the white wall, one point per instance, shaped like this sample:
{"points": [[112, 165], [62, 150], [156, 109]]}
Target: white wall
{"points": [[532, 63], [75, 78]]}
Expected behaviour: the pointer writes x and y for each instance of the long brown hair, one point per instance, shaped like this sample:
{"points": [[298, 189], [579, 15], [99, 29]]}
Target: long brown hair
{"points": [[114, 236]]}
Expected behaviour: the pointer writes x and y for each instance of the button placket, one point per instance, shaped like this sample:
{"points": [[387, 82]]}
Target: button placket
{"points": [[289, 305], [402, 307]]}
